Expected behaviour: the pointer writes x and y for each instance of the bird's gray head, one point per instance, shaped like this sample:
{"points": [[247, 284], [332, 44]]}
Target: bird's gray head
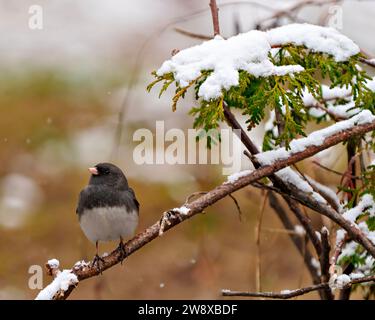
{"points": [[108, 174]]}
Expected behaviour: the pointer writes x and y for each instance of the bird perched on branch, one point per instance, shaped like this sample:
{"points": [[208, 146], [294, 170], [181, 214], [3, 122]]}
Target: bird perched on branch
{"points": [[107, 208]]}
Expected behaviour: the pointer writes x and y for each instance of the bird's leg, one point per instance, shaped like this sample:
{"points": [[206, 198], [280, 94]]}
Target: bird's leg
{"points": [[122, 250], [97, 259]]}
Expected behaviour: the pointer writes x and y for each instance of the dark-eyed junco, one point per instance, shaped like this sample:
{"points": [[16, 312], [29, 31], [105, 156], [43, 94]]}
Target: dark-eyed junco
{"points": [[107, 207]]}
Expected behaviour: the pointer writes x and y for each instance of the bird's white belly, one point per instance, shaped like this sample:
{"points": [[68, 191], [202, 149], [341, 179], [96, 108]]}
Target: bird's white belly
{"points": [[106, 224]]}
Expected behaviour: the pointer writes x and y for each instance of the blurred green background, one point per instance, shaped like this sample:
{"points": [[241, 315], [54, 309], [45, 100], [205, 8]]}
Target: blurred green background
{"points": [[61, 90]]}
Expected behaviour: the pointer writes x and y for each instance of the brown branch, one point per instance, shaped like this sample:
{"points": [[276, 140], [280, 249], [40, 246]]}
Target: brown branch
{"points": [[215, 17], [223, 190], [324, 261], [287, 294]]}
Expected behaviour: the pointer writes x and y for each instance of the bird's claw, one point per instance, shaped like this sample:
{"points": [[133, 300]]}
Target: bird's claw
{"points": [[96, 263], [122, 249]]}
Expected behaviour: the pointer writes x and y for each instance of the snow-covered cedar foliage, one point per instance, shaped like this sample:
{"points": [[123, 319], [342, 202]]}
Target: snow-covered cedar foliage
{"points": [[258, 71], [302, 74]]}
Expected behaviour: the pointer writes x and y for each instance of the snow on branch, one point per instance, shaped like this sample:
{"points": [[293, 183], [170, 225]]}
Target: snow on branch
{"points": [[67, 280], [250, 52], [316, 138]]}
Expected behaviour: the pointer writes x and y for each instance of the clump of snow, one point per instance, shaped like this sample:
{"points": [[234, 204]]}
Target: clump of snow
{"points": [[249, 52], [327, 94], [235, 176], [291, 177], [314, 139], [286, 291], [325, 191], [325, 230], [356, 275], [182, 210], [298, 229], [53, 263], [316, 38], [62, 282], [316, 264], [270, 124], [343, 111], [80, 265], [348, 250], [342, 280], [366, 203], [340, 236], [318, 235], [339, 281]]}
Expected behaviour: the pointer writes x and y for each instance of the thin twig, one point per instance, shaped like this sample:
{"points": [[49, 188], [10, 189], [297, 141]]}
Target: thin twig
{"points": [[215, 17], [333, 171], [324, 261], [287, 294], [192, 34], [237, 206]]}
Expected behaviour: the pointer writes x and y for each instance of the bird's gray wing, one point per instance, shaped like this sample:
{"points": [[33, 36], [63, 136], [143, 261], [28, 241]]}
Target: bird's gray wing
{"points": [[135, 199], [81, 200]]}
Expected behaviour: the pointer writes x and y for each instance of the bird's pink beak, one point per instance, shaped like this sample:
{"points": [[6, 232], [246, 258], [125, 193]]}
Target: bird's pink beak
{"points": [[93, 171]]}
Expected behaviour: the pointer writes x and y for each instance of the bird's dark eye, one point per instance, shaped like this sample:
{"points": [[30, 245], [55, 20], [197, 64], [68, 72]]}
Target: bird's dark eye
{"points": [[105, 171]]}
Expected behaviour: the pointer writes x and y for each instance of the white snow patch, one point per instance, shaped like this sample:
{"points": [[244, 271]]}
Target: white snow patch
{"points": [[182, 210], [235, 176], [291, 177], [318, 235], [62, 282], [325, 190], [325, 230], [286, 291], [366, 203], [342, 281], [316, 264], [316, 38], [340, 236], [348, 250], [356, 275], [314, 139], [298, 229], [53, 263]]}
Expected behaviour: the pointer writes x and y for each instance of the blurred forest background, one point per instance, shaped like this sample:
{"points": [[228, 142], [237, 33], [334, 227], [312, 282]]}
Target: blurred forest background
{"points": [[61, 90]]}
